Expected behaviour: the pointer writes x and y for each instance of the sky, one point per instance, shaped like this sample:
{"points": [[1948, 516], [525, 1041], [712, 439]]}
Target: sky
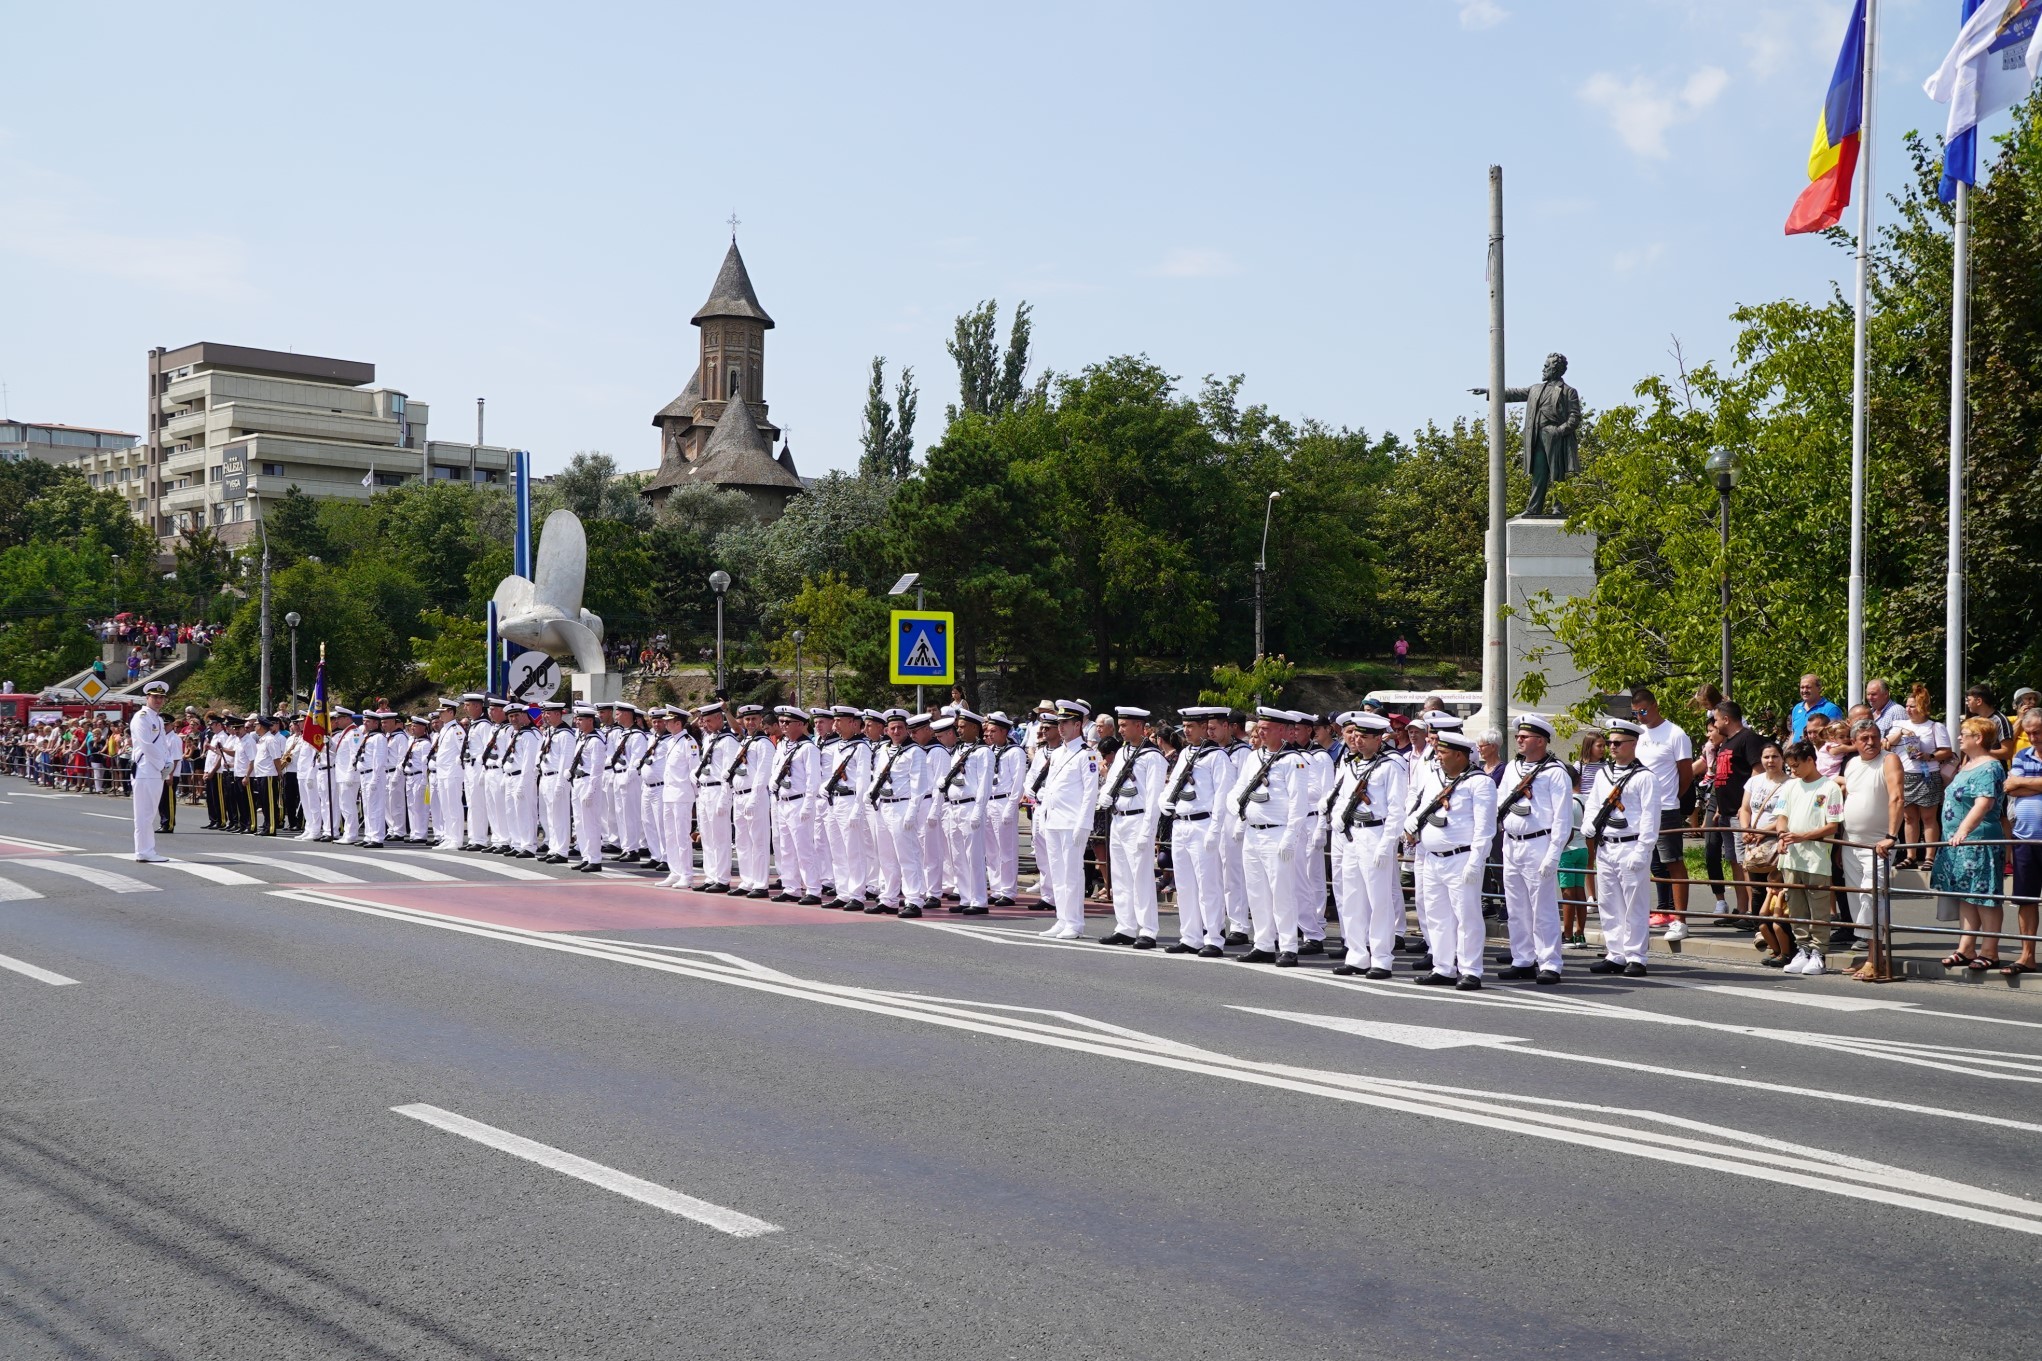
{"points": [[527, 203]]}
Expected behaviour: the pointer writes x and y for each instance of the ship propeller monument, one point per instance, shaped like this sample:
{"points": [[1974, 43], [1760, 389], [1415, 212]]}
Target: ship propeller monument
{"points": [[545, 613]]}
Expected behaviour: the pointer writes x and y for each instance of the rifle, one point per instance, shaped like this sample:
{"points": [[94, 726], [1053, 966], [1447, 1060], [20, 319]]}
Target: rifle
{"points": [[958, 758], [879, 781], [1612, 803], [1439, 799], [1184, 776], [1359, 796], [1261, 778], [1517, 795], [851, 746]]}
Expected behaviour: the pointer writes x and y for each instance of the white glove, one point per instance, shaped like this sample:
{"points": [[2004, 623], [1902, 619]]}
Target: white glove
{"points": [[1380, 859], [1236, 829], [1473, 873], [1548, 866], [1287, 850]]}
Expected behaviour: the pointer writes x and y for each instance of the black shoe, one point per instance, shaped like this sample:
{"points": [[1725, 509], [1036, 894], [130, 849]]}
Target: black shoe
{"points": [[1377, 974], [1312, 947], [528, 855], [1501, 958], [1042, 905], [1468, 983], [611, 848], [372, 845], [636, 855], [553, 859], [1287, 960], [1605, 966], [977, 911], [1178, 948], [954, 907], [1434, 980], [1256, 957], [714, 888], [872, 909], [1144, 942], [1115, 938], [784, 898], [1423, 964], [1212, 952], [756, 893], [910, 911], [1547, 977], [589, 867], [1634, 970], [1518, 973], [1002, 901], [1239, 938], [1397, 946], [1345, 971], [810, 900]]}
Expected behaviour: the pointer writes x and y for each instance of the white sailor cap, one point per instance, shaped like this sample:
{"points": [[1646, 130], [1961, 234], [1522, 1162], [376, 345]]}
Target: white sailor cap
{"points": [[1440, 721], [474, 697], [446, 703], [1130, 711], [961, 713], [622, 704], [1623, 727], [714, 706], [792, 711], [425, 719], [999, 716], [551, 705], [498, 702], [1077, 706], [1269, 715], [584, 711], [1204, 711], [744, 710], [1296, 716], [1538, 723], [339, 711], [656, 711], [943, 724], [950, 709], [919, 720], [1368, 722], [846, 711], [1457, 739], [889, 715], [821, 711], [156, 688]]}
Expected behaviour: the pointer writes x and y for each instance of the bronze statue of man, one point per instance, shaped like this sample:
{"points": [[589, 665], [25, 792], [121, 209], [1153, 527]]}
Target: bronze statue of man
{"points": [[1552, 432]]}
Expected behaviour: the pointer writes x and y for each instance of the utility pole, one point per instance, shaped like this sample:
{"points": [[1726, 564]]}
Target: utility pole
{"points": [[263, 705], [1495, 653]]}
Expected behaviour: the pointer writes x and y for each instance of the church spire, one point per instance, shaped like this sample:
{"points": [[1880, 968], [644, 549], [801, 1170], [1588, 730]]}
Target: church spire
{"points": [[732, 295]]}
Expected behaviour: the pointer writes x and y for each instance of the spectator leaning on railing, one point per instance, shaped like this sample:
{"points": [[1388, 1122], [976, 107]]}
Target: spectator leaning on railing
{"points": [[1923, 745], [1967, 875], [1809, 811], [2024, 805], [1872, 820]]}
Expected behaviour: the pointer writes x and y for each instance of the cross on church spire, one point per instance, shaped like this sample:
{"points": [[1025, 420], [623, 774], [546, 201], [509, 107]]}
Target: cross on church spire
{"points": [[733, 226]]}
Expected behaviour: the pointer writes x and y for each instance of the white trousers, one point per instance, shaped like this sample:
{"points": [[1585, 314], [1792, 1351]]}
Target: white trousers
{"points": [[447, 813], [1312, 880], [794, 846], [1271, 885], [375, 808], [1369, 897], [396, 802], [935, 857], [1233, 878], [652, 816], [1131, 853], [751, 826], [347, 818], [1453, 907], [1532, 902], [521, 798], [1003, 847], [850, 847], [628, 796], [318, 808], [496, 793], [147, 789], [414, 805], [1060, 852], [712, 813], [478, 807], [965, 841], [1623, 882], [586, 795], [1201, 902], [900, 855], [677, 817]]}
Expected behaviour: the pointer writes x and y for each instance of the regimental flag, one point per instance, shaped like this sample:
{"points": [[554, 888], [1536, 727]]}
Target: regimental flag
{"points": [[1833, 159], [1990, 67], [318, 722]]}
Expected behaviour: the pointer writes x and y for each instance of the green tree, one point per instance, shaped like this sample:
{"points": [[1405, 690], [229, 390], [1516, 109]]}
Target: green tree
{"points": [[204, 567], [47, 591], [1242, 688], [887, 437], [21, 482], [827, 612], [1430, 521], [296, 525], [988, 382], [351, 610], [451, 650], [592, 488]]}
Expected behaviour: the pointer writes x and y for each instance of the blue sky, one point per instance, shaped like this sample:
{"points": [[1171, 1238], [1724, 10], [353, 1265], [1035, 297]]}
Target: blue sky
{"points": [[528, 202]]}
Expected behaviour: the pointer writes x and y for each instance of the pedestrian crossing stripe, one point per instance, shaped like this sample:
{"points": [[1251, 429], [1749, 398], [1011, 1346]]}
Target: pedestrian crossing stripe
{"points": [[920, 647]]}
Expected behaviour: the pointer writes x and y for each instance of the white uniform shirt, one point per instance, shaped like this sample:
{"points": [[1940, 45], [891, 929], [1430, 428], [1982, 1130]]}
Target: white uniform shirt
{"points": [[1369, 800], [1009, 765], [1635, 816], [846, 773], [1070, 788], [1195, 782], [683, 757], [795, 771], [896, 776], [1465, 819], [967, 783], [1546, 806], [150, 746]]}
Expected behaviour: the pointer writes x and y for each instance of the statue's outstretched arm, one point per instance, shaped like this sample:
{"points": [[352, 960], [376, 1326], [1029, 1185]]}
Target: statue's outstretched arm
{"points": [[1509, 394]]}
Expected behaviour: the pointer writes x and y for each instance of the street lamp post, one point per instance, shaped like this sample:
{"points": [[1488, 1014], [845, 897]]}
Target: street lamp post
{"points": [[268, 630], [901, 587], [1722, 465], [719, 582], [799, 638], [291, 621], [1261, 569]]}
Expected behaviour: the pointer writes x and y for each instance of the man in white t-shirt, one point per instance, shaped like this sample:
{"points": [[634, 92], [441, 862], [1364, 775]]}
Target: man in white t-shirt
{"points": [[1664, 749]]}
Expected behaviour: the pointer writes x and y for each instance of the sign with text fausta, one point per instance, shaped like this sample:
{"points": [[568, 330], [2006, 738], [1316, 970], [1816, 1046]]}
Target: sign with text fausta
{"points": [[920, 651]]}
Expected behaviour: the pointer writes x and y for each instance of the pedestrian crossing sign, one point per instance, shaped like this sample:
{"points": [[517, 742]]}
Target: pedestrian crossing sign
{"points": [[920, 654]]}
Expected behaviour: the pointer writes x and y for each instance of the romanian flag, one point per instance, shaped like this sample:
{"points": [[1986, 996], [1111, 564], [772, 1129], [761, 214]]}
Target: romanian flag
{"points": [[1833, 160], [319, 721]]}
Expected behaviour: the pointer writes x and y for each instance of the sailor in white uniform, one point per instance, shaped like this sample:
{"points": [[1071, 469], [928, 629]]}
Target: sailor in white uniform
{"points": [[154, 754]]}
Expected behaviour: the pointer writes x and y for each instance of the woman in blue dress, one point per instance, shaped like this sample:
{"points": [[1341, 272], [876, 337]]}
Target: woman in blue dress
{"points": [[1966, 872]]}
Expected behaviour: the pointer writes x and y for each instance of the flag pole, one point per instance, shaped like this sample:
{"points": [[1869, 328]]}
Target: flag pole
{"points": [[1855, 682], [1495, 636], [1953, 584]]}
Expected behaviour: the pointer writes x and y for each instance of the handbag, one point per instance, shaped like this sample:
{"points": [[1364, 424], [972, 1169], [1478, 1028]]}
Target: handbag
{"points": [[1764, 857]]}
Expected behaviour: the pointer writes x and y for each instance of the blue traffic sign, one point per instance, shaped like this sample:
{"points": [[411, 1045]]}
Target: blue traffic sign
{"points": [[920, 652]]}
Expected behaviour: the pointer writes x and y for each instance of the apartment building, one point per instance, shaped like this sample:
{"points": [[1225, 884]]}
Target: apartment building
{"points": [[57, 443], [230, 427]]}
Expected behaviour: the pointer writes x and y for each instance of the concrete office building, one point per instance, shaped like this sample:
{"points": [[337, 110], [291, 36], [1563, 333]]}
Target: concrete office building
{"points": [[231, 427], [65, 444]]}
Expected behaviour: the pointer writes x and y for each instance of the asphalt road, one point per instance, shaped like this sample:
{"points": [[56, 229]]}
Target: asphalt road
{"points": [[329, 1107]]}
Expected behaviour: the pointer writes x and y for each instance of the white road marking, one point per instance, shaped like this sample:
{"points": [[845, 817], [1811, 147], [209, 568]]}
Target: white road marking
{"points": [[1413, 1036], [1793, 998], [112, 817], [24, 794], [13, 840], [41, 975], [596, 1174], [489, 865], [11, 892], [318, 874], [99, 878], [198, 869], [396, 867], [1728, 1151]]}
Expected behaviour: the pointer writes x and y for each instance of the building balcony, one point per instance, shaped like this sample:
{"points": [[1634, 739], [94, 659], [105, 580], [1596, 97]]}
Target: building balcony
{"points": [[183, 498], [185, 425]]}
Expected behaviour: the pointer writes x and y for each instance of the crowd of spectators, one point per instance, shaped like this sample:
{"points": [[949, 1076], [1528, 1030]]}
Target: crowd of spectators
{"points": [[88, 754]]}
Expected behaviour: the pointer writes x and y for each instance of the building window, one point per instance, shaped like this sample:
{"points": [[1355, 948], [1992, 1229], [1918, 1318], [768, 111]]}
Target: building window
{"points": [[272, 470], [390, 479], [488, 475], [733, 384], [443, 473], [213, 473], [240, 511], [397, 404]]}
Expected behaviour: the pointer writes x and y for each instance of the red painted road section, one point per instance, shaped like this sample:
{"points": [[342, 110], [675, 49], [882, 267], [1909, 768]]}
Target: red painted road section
{"points": [[617, 906], [16, 848]]}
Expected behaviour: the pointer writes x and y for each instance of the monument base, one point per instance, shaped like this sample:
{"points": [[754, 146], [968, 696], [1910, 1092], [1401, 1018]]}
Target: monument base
{"points": [[602, 687], [1546, 566]]}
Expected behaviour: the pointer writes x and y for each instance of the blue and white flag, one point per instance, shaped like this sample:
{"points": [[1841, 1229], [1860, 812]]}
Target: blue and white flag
{"points": [[1990, 67]]}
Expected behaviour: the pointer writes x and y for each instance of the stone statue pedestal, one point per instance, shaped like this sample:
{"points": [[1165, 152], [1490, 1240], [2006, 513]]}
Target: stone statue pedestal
{"points": [[1542, 558], [603, 687]]}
